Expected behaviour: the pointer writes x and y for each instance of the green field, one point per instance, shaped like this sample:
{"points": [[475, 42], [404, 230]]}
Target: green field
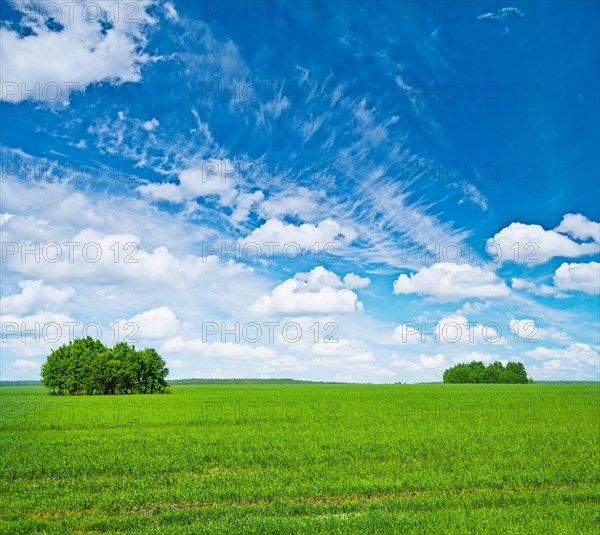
{"points": [[304, 458]]}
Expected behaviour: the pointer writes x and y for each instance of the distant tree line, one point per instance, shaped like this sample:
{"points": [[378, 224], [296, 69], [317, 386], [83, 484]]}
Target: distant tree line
{"points": [[20, 383], [86, 367], [477, 372], [242, 381]]}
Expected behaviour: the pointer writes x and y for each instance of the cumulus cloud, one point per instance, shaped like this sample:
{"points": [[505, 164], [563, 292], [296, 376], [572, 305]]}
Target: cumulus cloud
{"points": [[37, 323], [542, 289], [451, 329], [117, 258], [575, 354], [455, 328], [244, 204], [213, 177], [277, 236], [532, 244], [318, 291], [579, 227], [347, 350], [171, 12], [473, 308], [406, 333], [35, 295], [26, 365], [421, 363], [222, 350], [36, 334], [79, 49], [447, 281], [579, 277], [302, 202], [284, 363], [354, 281], [526, 329], [475, 356], [150, 125], [20, 369], [154, 323], [5, 218]]}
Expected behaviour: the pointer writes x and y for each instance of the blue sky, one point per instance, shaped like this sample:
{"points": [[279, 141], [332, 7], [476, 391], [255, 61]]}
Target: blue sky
{"points": [[369, 191]]}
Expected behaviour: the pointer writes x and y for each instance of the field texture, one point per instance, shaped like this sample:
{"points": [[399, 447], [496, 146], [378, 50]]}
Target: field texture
{"points": [[304, 458]]}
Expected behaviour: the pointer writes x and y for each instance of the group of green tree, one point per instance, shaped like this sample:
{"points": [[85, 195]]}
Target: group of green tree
{"points": [[86, 367], [477, 372]]}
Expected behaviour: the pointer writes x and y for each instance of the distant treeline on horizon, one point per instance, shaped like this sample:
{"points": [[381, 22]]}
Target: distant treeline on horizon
{"points": [[267, 381], [198, 382], [244, 381]]}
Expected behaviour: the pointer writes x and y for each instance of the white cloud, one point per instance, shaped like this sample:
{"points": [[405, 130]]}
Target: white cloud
{"points": [[37, 322], [26, 365], [318, 291], [108, 290], [154, 323], [475, 356], [454, 329], [302, 203], [5, 218], [580, 277], [150, 125], [222, 350], [47, 62], [579, 227], [326, 237], [406, 334], [341, 362], [473, 308], [171, 11], [500, 14], [35, 295], [472, 194], [354, 281], [36, 334], [526, 329], [451, 329], [422, 362], [20, 369], [244, 204], [542, 289], [575, 354], [348, 350], [363, 373], [531, 244], [285, 363], [93, 257], [447, 281], [213, 177]]}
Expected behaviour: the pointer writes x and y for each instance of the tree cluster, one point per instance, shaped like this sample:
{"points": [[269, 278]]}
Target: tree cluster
{"points": [[477, 372], [86, 367]]}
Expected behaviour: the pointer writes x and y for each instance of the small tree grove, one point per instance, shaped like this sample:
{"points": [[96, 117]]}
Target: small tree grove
{"points": [[477, 372], [86, 367]]}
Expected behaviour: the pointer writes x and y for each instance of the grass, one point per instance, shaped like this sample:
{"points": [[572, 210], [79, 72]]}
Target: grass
{"points": [[303, 458]]}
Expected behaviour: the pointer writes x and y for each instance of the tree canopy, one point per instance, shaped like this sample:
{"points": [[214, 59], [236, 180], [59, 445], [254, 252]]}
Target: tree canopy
{"points": [[477, 372], [86, 366]]}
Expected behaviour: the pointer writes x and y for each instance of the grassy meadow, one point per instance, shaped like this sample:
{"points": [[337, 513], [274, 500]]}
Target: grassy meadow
{"points": [[303, 458]]}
